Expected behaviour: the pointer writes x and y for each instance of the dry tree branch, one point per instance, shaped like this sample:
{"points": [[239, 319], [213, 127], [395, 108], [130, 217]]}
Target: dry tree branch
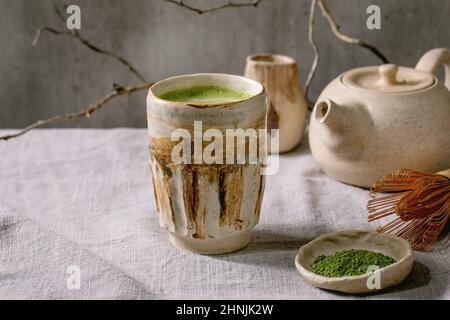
{"points": [[86, 113], [313, 44], [325, 12], [118, 90], [90, 45], [228, 4], [336, 30], [74, 33], [58, 11]]}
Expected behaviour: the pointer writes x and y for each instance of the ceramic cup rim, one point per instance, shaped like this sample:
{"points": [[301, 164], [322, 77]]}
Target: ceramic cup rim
{"points": [[257, 89], [271, 59]]}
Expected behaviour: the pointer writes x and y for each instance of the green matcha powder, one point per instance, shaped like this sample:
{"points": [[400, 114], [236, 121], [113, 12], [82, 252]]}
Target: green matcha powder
{"points": [[351, 262]]}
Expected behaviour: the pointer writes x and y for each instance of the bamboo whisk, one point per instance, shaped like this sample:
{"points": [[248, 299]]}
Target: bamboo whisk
{"points": [[421, 203]]}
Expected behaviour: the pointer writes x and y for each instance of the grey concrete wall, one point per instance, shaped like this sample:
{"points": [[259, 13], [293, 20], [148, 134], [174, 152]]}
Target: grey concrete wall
{"points": [[60, 75]]}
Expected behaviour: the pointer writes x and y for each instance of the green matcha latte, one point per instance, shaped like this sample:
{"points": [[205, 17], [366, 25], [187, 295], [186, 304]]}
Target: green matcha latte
{"points": [[205, 95]]}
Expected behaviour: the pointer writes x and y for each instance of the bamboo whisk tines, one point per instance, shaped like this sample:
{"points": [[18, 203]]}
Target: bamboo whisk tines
{"points": [[421, 203]]}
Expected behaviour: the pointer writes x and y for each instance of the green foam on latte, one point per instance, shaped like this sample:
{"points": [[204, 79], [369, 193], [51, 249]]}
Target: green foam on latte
{"points": [[205, 95]]}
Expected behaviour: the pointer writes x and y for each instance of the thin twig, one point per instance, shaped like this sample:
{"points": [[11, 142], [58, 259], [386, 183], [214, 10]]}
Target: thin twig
{"points": [[90, 45], [313, 44], [74, 33], [335, 28], [59, 12], [228, 4], [49, 30], [86, 113]]}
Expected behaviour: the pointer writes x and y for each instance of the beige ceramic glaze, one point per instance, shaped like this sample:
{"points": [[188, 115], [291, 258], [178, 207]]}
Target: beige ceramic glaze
{"points": [[208, 209], [287, 107], [371, 121], [328, 244]]}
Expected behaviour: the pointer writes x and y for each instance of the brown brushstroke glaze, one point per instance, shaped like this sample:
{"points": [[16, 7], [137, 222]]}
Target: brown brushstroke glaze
{"points": [[189, 199], [230, 180], [163, 190], [260, 195], [222, 194], [155, 193], [272, 118], [195, 208], [231, 184]]}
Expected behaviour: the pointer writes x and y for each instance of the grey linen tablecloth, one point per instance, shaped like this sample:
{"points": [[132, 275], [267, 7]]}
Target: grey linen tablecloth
{"points": [[83, 199]]}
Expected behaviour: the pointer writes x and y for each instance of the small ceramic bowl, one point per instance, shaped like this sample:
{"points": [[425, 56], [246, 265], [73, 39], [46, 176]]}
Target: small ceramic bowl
{"points": [[328, 244]]}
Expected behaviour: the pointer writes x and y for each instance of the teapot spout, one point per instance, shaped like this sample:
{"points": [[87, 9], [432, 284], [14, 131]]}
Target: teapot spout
{"points": [[328, 113], [343, 128]]}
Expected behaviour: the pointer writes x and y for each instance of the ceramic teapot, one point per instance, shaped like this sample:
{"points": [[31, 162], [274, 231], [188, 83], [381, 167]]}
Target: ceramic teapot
{"points": [[371, 121]]}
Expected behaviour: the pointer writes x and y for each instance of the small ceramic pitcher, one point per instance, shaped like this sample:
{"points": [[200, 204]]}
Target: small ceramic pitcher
{"points": [[287, 107], [206, 208]]}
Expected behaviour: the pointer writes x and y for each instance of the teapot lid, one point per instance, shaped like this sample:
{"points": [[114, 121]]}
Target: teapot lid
{"points": [[388, 78]]}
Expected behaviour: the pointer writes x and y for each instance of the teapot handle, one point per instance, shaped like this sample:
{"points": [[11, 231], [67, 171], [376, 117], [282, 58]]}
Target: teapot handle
{"points": [[433, 59]]}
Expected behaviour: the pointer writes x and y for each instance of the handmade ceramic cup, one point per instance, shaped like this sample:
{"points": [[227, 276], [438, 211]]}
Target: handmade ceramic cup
{"points": [[206, 208]]}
